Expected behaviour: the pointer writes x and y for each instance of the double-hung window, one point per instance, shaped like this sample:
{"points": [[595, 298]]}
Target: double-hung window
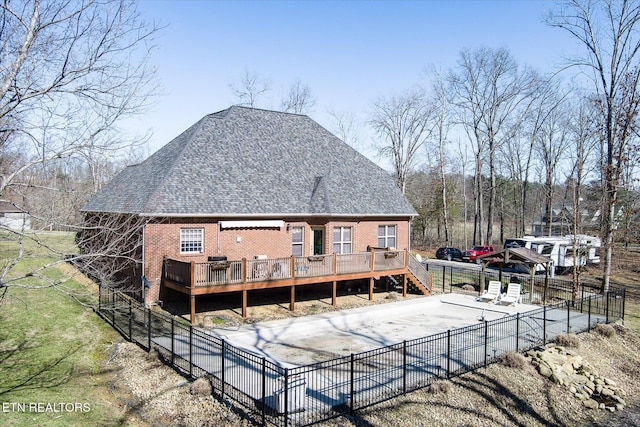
{"points": [[297, 241], [387, 236], [191, 240], [342, 240]]}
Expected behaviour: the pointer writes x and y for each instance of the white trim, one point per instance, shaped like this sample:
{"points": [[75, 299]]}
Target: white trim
{"points": [[265, 223]]}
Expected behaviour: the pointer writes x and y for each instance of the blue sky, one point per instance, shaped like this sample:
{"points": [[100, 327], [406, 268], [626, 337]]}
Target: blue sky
{"points": [[348, 52]]}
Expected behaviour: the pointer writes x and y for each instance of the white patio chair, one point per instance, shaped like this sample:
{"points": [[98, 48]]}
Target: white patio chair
{"points": [[512, 296], [492, 293]]}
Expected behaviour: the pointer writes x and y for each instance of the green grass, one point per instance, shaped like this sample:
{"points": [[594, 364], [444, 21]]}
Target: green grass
{"points": [[52, 351]]}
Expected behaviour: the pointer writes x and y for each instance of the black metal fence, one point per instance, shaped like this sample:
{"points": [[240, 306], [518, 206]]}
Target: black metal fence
{"points": [[273, 394], [535, 290]]}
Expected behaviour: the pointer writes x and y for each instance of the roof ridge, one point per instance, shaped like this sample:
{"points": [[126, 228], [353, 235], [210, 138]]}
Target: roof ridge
{"points": [[193, 130], [245, 107]]}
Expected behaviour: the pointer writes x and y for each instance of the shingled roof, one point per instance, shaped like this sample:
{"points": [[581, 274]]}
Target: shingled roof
{"points": [[250, 162]]}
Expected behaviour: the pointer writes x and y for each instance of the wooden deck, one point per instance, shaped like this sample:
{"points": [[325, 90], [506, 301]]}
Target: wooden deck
{"points": [[213, 277]]}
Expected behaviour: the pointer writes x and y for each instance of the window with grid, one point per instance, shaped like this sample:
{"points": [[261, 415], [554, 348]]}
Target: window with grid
{"points": [[297, 241], [191, 240], [387, 236], [342, 240]]}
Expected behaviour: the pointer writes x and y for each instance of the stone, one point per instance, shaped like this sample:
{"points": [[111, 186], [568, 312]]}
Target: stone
{"points": [[607, 381], [580, 379], [607, 392], [544, 370], [590, 403], [619, 406]]}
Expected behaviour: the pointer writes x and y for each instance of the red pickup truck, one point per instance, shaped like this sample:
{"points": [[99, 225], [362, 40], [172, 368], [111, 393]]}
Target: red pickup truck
{"points": [[471, 255]]}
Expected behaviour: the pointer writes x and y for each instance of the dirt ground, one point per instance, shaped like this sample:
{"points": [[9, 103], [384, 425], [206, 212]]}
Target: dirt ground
{"points": [[149, 393]]}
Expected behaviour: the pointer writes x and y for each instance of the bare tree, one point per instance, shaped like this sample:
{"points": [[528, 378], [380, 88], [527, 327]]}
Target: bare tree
{"points": [[551, 142], [250, 88], [299, 99], [442, 120], [404, 124], [608, 31], [491, 96], [347, 127], [70, 72]]}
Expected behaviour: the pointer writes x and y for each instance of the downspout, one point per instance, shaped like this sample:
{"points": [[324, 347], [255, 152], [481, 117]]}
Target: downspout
{"points": [[143, 280]]}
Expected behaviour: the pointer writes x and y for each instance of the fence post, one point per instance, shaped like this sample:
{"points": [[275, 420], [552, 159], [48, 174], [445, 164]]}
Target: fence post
{"points": [[486, 342], [222, 368], [173, 328], [589, 314], [130, 321], [517, 332], [352, 385], [624, 300], [404, 366], [544, 325], [444, 275], [264, 390], [191, 351], [606, 296], [149, 329], [113, 307], [286, 397], [448, 353], [568, 318]]}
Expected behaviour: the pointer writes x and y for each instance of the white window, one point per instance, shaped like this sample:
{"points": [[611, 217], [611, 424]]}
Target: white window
{"points": [[297, 241], [386, 236], [191, 240], [342, 240]]}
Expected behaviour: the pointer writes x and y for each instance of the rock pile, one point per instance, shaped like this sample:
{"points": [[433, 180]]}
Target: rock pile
{"points": [[565, 367]]}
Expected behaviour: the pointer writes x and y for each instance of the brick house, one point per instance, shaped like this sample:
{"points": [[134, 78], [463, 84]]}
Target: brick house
{"points": [[252, 199]]}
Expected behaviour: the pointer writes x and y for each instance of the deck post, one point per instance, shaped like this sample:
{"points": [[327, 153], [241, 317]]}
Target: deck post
{"points": [[293, 266], [244, 303], [371, 289], [244, 270], [292, 301], [193, 308], [404, 285], [334, 287], [192, 279], [335, 264], [373, 260]]}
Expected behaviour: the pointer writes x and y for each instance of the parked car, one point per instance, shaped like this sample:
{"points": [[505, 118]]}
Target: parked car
{"points": [[470, 255], [449, 253], [509, 267]]}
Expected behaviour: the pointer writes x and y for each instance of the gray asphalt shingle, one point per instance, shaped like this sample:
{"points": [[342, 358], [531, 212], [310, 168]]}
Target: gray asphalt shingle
{"points": [[245, 161]]}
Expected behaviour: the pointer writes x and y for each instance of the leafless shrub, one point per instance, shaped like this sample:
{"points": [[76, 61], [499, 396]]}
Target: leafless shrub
{"points": [[514, 360], [605, 330], [440, 387], [200, 387], [567, 340]]}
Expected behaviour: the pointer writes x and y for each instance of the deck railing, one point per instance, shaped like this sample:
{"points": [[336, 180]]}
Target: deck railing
{"points": [[216, 273]]}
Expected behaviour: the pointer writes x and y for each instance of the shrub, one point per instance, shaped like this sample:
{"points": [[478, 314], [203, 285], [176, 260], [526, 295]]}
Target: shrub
{"points": [[440, 387], [605, 330], [567, 340], [514, 360], [201, 387]]}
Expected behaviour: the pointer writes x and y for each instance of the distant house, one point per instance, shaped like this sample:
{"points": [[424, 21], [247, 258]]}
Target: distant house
{"points": [[251, 199], [13, 218]]}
